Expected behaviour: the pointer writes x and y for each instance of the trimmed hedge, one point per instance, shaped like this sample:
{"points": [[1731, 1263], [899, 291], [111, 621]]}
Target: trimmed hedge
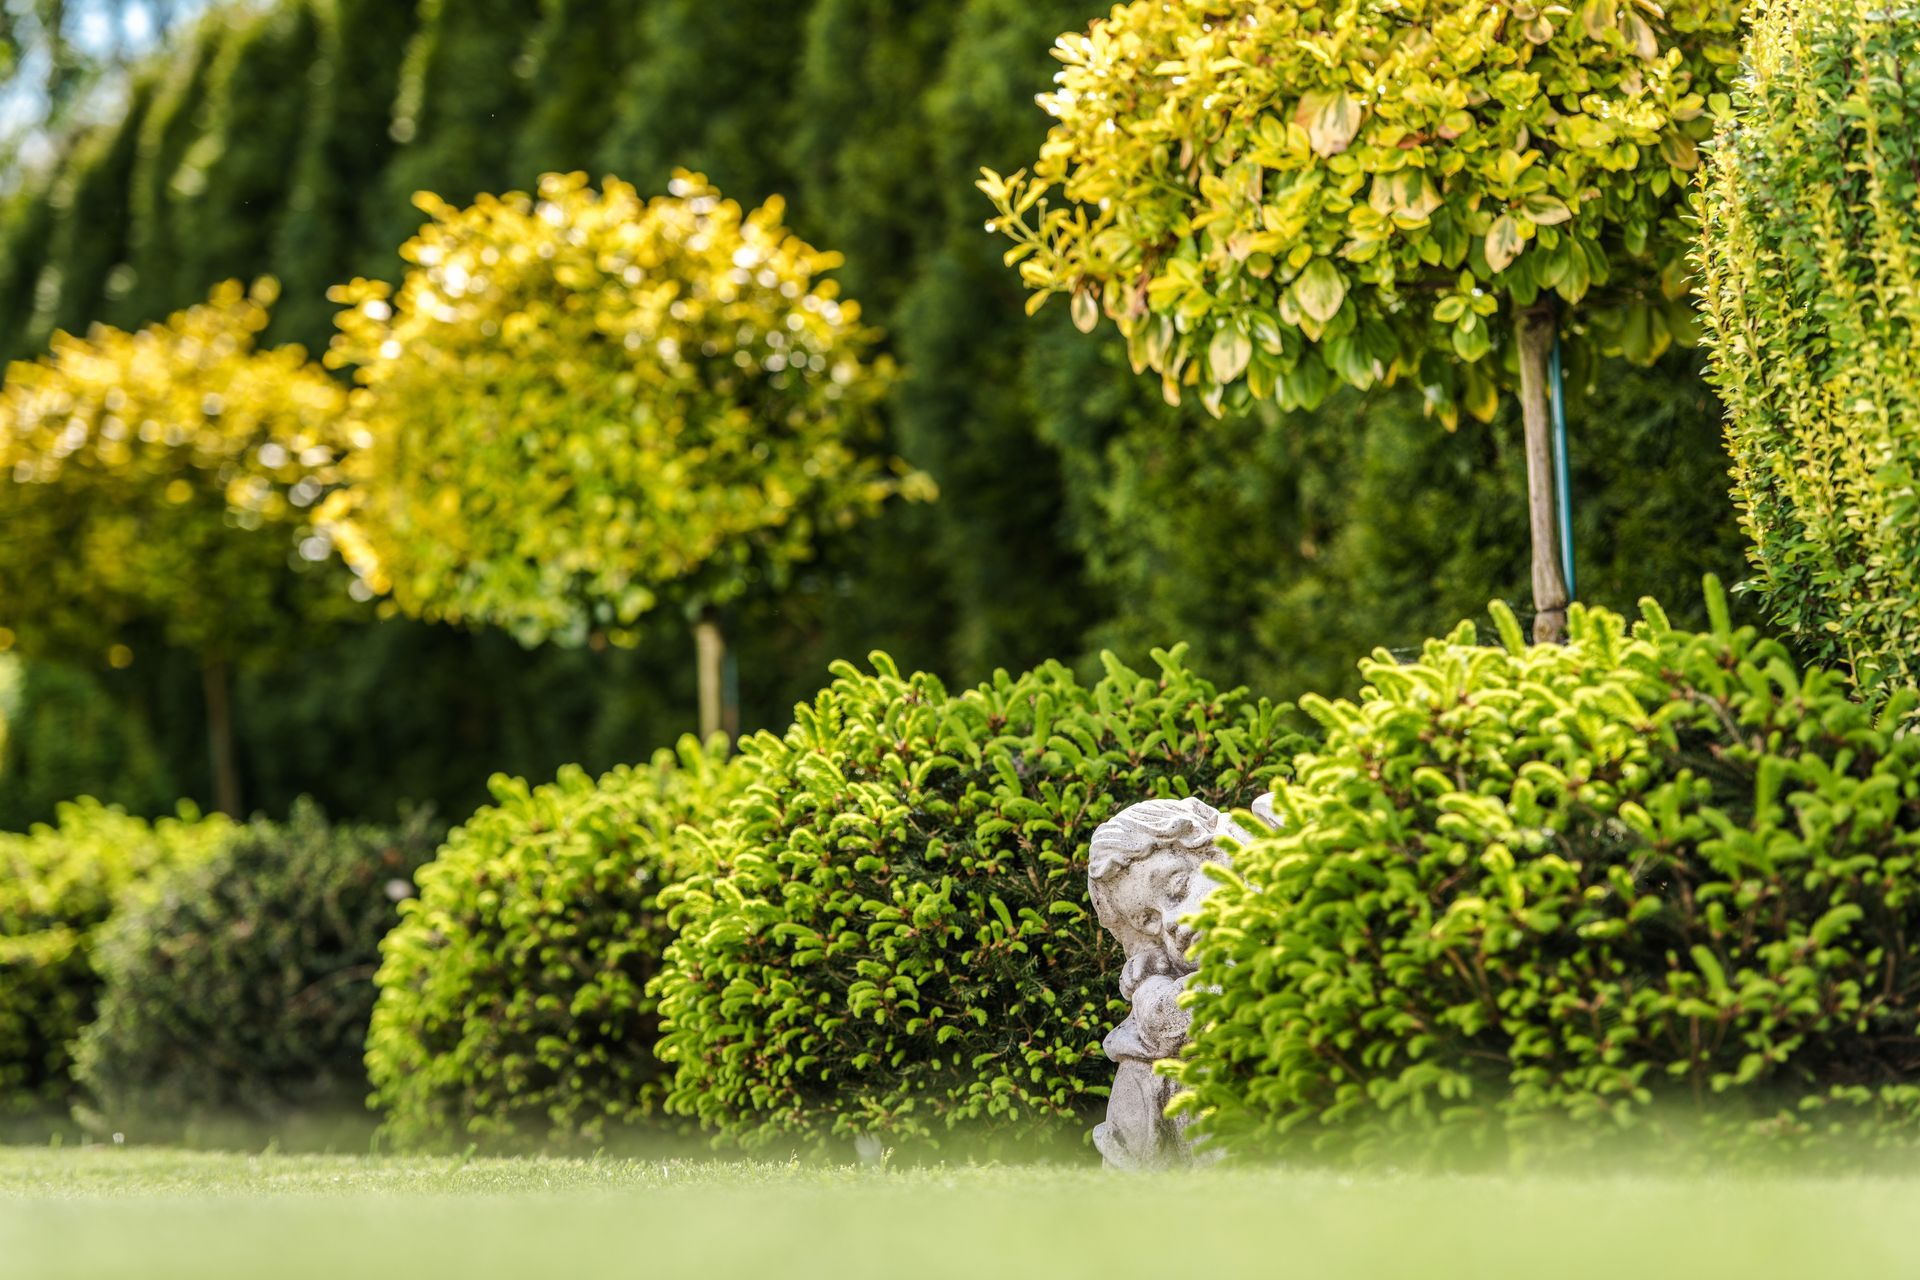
{"points": [[1811, 288], [58, 885], [888, 936], [513, 1006], [1644, 886], [236, 996]]}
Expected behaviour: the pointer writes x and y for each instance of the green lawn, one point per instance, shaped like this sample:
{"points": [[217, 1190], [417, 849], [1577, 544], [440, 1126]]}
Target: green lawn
{"points": [[100, 1213]]}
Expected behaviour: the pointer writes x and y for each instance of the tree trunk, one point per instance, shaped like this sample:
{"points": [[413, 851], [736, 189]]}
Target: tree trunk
{"points": [[717, 714], [1535, 331], [226, 772]]}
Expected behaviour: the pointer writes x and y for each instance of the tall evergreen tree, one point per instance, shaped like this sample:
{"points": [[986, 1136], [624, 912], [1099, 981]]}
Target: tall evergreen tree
{"points": [[171, 125], [232, 187], [709, 92], [26, 230], [461, 98], [344, 152], [91, 239], [574, 65], [859, 118], [963, 413]]}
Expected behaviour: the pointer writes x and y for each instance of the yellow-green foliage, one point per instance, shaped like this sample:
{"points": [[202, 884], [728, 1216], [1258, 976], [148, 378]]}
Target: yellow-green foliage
{"points": [[58, 885], [1524, 899], [1811, 289], [889, 937], [1272, 198], [579, 400], [513, 1006], [161, 477]]}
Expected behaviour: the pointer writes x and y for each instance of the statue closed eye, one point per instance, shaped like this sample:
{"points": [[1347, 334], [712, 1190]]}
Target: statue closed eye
{"points": [[1147, 873]]}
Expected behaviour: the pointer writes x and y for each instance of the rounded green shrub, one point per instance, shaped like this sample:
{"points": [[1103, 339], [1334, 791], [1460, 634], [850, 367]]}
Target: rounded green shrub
{"points": [[513, 1008], [235, 996], [889, 936], [1648, 885], [1810, 282], [58, 884]]}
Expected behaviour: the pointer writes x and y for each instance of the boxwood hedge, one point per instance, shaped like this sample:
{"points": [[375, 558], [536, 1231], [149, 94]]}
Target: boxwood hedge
{"points": [[1650, 884], [888, 937], [513, 1009]]}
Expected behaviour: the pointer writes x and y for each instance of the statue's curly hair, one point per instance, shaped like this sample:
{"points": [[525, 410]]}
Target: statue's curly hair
{"points": [[1190, 825]]}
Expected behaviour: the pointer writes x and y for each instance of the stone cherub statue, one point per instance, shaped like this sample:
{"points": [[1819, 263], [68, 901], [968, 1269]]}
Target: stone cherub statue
{"points": [[1146, 873]]}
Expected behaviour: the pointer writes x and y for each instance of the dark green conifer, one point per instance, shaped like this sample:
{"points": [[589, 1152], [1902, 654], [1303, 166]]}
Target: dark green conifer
{"points": [[323, 238], [84, 266], [574, 65], [462, 96], [171, 125], [232, 184]]}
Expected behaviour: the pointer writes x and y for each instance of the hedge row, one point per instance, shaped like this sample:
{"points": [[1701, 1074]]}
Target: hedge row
{"points": [[191, 977]]}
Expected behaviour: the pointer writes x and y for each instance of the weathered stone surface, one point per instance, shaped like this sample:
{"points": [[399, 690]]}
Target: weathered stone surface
{"points": [[1146, 873]]}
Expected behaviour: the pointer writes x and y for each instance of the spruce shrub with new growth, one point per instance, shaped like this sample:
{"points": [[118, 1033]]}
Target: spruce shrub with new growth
{"points": [[236, 995], [58, 884], [513, 1008], [1652, 884], [889, 937]]}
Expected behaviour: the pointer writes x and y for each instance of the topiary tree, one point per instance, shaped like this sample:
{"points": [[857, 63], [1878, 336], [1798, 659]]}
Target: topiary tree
{"points": [[159, 482], [58, 884], [1646, 886], [887, 934], [235, 992], [580, 403], [514, 1005], [1270, 200], [1811, 289]]}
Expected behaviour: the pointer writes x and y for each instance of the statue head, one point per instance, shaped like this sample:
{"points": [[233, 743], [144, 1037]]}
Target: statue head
{"points": [[1146, 873]]}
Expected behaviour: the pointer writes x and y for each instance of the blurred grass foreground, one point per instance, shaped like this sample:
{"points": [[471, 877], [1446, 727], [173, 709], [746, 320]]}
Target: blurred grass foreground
{"points": [[158, 1214]]}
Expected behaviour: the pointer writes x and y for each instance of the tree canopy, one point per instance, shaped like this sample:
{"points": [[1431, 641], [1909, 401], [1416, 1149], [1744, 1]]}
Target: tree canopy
{"points": [[579, 401], [162, 482], [1271, 199]]}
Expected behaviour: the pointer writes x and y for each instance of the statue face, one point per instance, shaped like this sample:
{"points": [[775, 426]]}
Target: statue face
{"points": [[1147, 900]]}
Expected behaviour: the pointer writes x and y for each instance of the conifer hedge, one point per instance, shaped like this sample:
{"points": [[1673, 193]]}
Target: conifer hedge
{"points": [[888, 934], [1811, 288], [1651, 884]]}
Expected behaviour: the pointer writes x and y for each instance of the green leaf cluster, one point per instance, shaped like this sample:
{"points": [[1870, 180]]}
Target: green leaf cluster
{"points": [[1810, 265], [235, 992], [888, 933], [165, 479], [1272, 199], [513, 1006], [1648, 883], [579, 401], [58, 884]]}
